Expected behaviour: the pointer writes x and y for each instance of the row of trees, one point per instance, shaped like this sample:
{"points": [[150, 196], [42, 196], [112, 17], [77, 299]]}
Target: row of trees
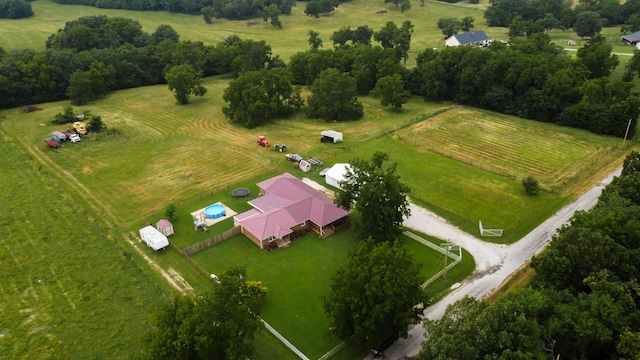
{"points": [[612, 12], [583, 301], [255, 98], [95, 55], [227, 9], [15, 9], [532, 79], [378, 293]]}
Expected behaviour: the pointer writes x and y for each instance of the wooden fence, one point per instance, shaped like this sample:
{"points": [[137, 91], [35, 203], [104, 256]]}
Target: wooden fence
{"points": [[188, 251]]}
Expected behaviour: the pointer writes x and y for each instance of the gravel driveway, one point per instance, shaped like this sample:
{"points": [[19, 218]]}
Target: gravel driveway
{"points": [[494, 263]]}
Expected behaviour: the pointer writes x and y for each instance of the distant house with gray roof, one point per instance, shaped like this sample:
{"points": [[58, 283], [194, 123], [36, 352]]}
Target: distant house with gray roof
{"points": [[631, 39], [473, 38], [286, 207]]}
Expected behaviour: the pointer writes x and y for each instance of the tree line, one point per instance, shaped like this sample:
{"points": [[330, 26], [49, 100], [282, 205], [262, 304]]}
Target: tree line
{"points": [[15, 9], [531, 78], [94, 55], [586, 16], [582, 303], [227, 9]]}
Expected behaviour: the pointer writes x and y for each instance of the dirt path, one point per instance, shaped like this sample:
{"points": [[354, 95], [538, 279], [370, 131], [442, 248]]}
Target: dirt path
{"points": [[494, 263]]}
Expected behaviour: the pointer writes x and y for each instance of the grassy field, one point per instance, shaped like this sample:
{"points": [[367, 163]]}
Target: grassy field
{"points": [[49, 17], [464, 164], [66, 290]]}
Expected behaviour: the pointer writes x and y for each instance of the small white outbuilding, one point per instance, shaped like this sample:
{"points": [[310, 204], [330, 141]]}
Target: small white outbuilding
{"points": [[331, 136], [336, 174], [153, 238]]}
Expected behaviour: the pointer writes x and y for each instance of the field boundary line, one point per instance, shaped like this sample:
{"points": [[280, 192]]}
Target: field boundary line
{"points": [[284, 340], [456, 258]]}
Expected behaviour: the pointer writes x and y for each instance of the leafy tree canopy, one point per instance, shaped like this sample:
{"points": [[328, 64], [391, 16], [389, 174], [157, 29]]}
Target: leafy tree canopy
{"points": [[377, 294], [588, 23], [257, 97], [378, 195], [183, 80], [390, 90], [334, 97], [217, 325]]}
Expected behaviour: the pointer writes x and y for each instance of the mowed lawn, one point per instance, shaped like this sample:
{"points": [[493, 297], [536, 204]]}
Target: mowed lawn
{"points": [[66, 290], [297, 276], [166, 152], [493, 149]]}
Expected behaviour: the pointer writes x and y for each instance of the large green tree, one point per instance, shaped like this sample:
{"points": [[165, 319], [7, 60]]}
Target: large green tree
{"points": [[378, 195], [390, 90], [183, 80], [334, 97], [377, 294], [398, 39], [257, 97], [217, 325], [588, 23], [597, 57]]}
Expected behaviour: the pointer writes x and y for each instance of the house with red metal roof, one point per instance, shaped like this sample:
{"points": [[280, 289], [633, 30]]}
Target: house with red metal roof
{"points": [[288, 208]]}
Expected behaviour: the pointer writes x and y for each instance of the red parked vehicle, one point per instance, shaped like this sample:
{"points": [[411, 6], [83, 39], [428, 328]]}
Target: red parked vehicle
{"points": [[51, 142]]}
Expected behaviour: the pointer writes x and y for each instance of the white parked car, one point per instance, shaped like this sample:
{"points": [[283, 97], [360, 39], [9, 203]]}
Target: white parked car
{"points": [[74, 138]]}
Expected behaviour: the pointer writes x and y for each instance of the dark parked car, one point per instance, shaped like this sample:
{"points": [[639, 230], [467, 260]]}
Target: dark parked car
{"points": [[384, 345]]}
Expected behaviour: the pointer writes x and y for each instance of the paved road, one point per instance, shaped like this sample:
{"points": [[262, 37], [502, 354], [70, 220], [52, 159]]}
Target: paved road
{"points": [[494, 263]]}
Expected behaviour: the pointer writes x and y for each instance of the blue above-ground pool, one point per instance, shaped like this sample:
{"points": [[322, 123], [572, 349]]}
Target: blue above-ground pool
{"points": [[214, 211]]}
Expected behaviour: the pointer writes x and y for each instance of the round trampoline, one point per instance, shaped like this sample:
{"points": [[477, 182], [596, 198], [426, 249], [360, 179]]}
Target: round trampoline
{"points": [[214, 211], [241, 192]]}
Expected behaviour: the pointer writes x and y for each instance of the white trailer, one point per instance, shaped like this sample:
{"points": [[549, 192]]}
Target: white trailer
{"points": [[153, 238], [331, 136]]}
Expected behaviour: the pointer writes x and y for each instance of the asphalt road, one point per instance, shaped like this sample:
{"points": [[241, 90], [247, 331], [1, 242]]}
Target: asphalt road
{"points": [[494, 263]]}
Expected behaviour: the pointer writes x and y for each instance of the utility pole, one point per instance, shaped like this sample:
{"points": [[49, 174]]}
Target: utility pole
{"points": [[626, 133], [447, 247]]}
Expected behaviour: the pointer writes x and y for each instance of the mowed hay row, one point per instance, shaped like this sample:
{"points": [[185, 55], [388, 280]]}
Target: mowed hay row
{"points": [[506, 145], [181, 171]]}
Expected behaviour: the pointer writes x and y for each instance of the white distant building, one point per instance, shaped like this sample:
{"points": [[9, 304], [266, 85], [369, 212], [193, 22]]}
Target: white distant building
{"points": [[336, 174], [474, 38]]}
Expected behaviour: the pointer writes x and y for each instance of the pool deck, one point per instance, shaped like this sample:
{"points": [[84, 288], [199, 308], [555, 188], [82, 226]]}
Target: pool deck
{"points": [[199, 214]]}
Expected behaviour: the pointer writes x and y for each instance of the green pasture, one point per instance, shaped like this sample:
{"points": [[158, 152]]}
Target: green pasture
{"points": [[479, 188], [70, 287], [49, 17], [298, 275], [165, 152], [67, 291]]}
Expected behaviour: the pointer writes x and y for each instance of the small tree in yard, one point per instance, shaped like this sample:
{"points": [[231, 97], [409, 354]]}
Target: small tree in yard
{"points": [[170, 211], [531, 185], [378, 196]]}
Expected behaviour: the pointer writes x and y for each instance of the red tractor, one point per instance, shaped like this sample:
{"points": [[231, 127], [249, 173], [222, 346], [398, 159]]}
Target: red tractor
{"points": [[262, 141]]}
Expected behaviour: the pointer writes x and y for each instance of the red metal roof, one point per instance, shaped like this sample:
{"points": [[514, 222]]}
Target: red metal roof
{"points": [[288, 202]]}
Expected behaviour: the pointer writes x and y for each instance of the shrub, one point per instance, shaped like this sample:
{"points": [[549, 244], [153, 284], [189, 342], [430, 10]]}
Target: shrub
{"points": [[170, 211], [531, 185]]}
